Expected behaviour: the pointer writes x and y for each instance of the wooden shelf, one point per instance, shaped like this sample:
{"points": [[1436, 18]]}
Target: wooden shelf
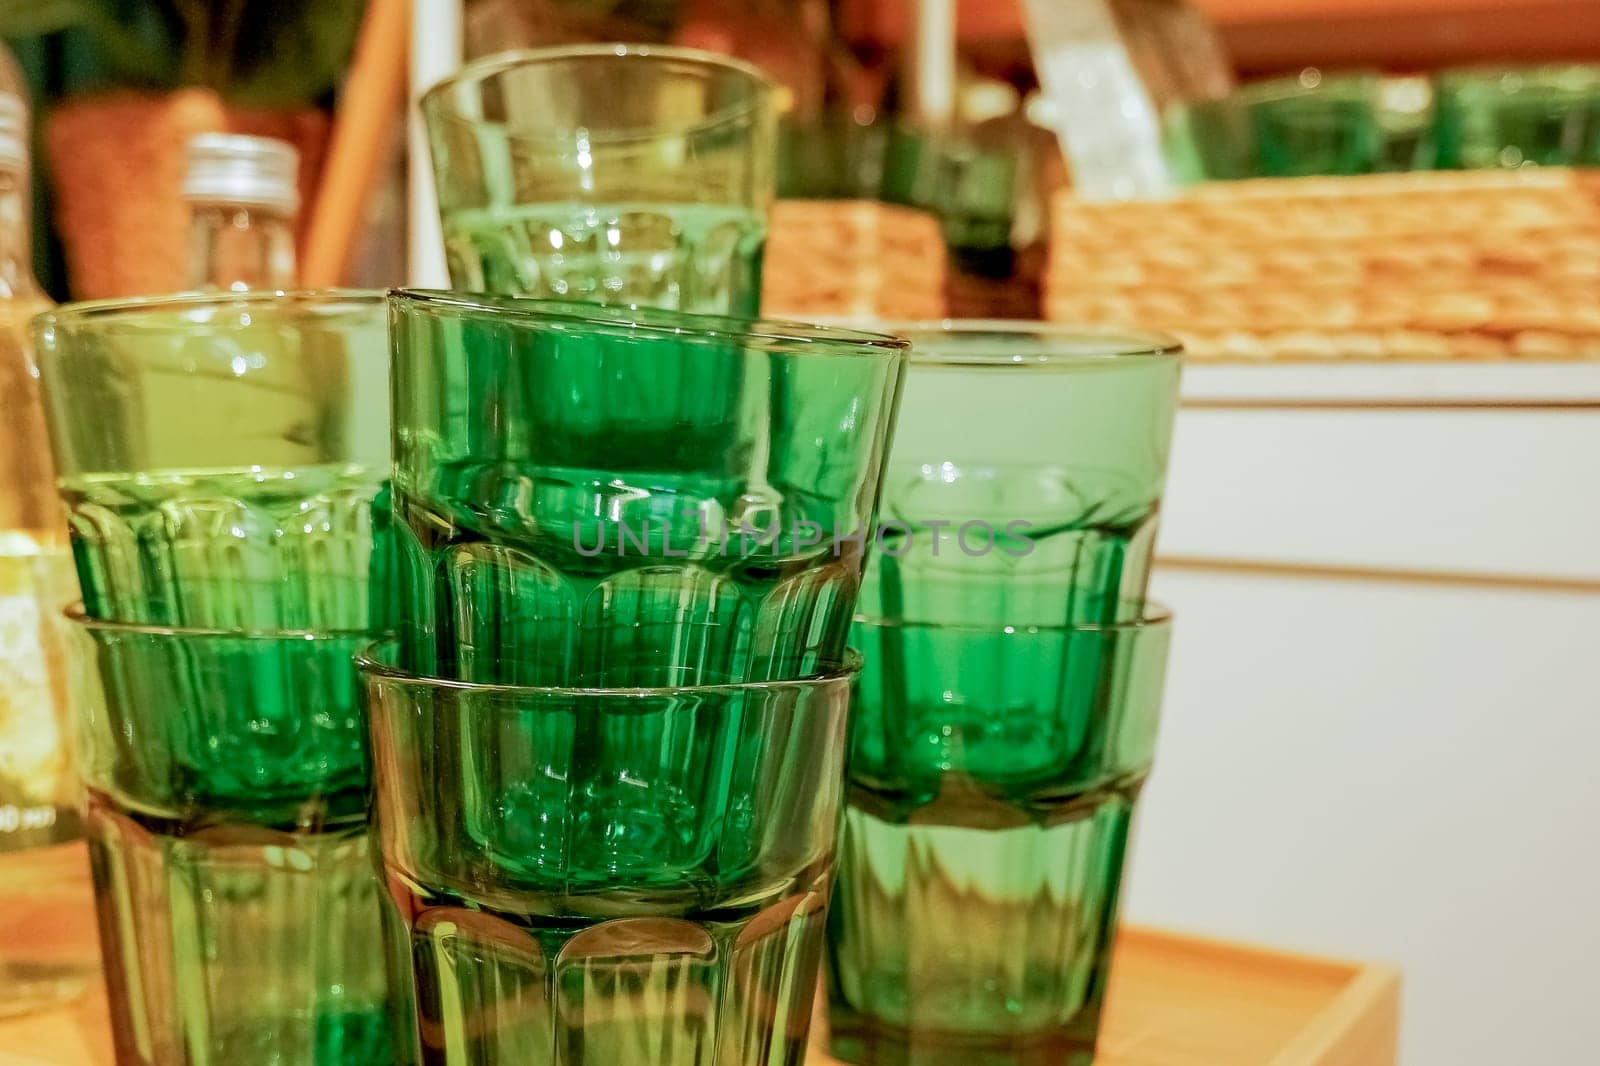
{"points": [[1241, 12], [1175, 1001], [1274, 35]]}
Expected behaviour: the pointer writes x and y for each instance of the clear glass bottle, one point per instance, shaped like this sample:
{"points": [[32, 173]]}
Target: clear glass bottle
{"points": [[47, 934], [244, 193]]}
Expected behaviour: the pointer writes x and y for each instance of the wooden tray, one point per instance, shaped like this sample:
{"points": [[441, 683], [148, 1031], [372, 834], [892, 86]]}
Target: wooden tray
{"points": [[1179, 1000], [1175, 1001]]}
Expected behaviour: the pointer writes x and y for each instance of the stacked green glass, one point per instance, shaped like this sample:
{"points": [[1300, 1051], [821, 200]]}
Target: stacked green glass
{"points": [[1006, 716], [1468, 118], [628, 175], [629, 525], [834, 157], [1281, 128], [1025, 482], [657, 533], [1516, 116], [967, 179], [617, 174], [602, 876], [219, 457], [608, 737], [993, 778], [226, 818]]}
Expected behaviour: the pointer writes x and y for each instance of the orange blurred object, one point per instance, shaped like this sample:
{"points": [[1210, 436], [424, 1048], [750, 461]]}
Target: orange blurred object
{"points": [[778, 38], [117, 162], [369, 106], [1278, 35]]}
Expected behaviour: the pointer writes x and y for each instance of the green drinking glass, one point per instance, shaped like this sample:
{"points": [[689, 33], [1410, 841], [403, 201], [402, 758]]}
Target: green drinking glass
{"points": [[619, 174], [226, 817], [993, 775], [1282, 128], [1488, 117], [595, 877], [1024, 484], [219, 455], [560, 522], [833, 157]]}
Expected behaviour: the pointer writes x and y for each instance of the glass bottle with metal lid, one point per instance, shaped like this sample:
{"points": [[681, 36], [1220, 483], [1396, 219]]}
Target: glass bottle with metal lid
{"points": [[244, 193]]}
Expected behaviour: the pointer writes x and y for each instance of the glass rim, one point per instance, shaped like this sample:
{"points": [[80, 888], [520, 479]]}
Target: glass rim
{"points": [[371, 667], [617, 321], [1574, 75], [76, 614], [1107, 343], [1292, 87], [485, 68], [82, 312], [1152, 617]]}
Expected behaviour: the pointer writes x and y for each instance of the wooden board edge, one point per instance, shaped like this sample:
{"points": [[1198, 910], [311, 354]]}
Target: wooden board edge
{"points": [[1240, 951], [1360, 1027]]}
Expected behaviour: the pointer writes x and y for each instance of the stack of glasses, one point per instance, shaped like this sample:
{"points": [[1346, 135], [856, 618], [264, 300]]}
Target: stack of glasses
{"points": [[554, 611], [1005, 719], [218, 456], [1358, 122], [608, 740]]}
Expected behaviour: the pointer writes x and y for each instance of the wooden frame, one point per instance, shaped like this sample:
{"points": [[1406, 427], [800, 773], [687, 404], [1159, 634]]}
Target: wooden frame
{"points": [[1271, 35]]}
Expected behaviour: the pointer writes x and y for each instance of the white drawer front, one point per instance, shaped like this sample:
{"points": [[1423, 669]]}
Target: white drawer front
{"points": [[1489, 491]]}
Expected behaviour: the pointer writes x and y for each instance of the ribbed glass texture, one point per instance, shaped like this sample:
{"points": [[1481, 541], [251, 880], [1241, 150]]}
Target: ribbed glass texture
{"points": [[993, 774], [238, 903], [602, 877]]}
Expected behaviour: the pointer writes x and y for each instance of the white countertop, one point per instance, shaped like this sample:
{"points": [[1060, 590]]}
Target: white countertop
{"points": [[1442, 384]]}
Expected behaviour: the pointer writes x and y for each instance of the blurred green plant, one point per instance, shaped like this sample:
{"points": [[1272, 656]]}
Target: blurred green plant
{"points": [[256, 53]]}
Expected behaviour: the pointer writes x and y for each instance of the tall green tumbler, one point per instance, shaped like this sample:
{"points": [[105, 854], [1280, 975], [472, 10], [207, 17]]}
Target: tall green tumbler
{"points": [[560, 521], [609, 877], [1025, 480], [994, 771], [618, 174], [631, 175], [218, 455], [226, 816]]}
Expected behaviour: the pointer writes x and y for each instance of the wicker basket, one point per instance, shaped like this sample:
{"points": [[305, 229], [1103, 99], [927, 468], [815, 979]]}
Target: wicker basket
{"points": [[1468, 265], [853, 259]]}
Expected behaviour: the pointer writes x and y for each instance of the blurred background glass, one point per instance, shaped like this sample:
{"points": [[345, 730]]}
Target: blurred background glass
{"points": [[1281, 128], [1516, 116]]}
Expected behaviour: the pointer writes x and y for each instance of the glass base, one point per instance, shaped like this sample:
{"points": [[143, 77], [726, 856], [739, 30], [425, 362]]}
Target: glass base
{"points": [[865, 1041], [230, 943]]}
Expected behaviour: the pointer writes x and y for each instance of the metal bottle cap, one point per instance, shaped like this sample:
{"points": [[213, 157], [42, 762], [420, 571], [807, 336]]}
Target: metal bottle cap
{"points": [[13, 131], [229, 168]]}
